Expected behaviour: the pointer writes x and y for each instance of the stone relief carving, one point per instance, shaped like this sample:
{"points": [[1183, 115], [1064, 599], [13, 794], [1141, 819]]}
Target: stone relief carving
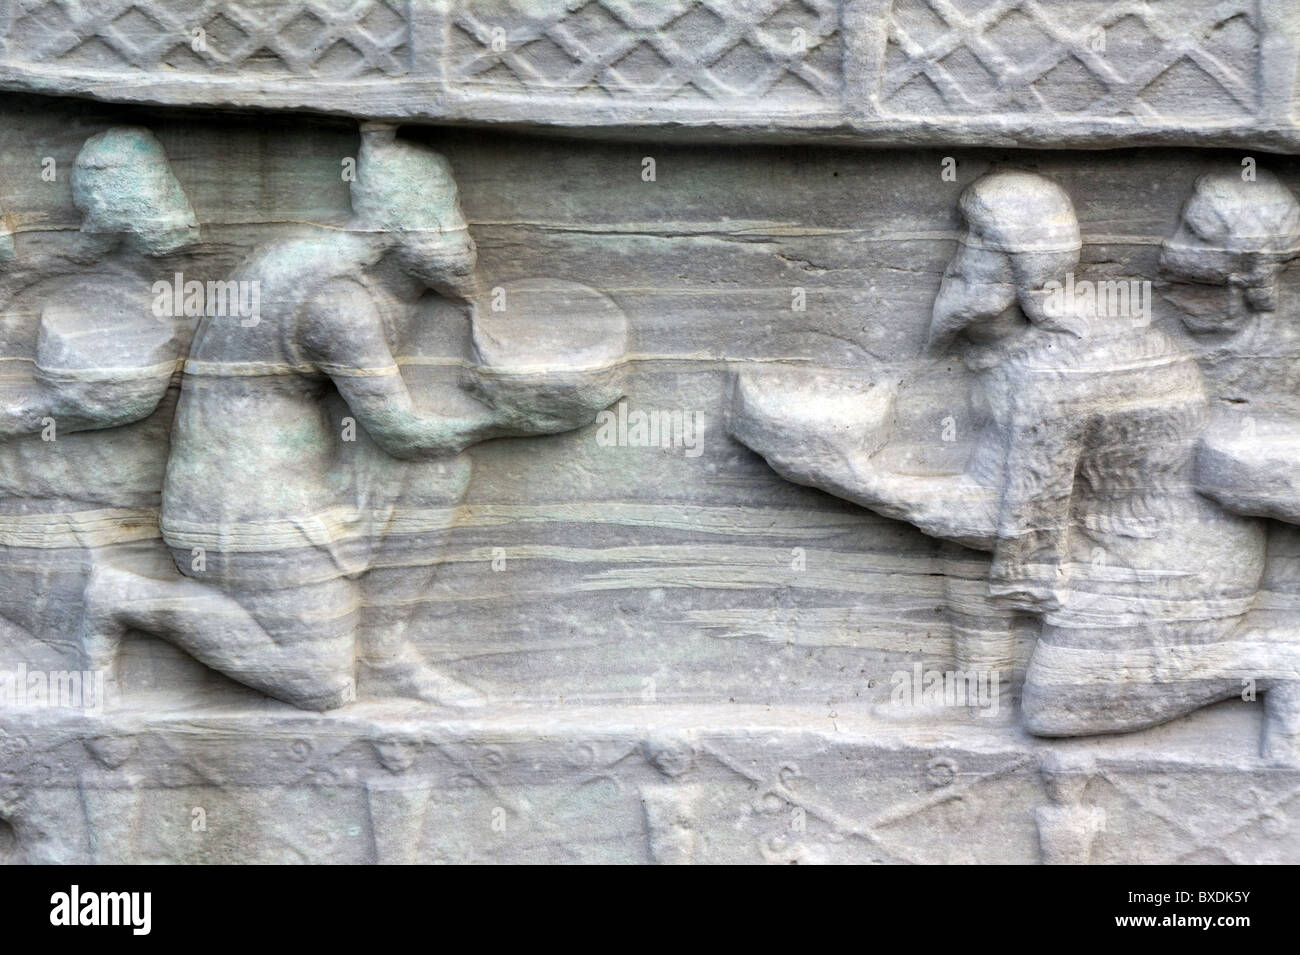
{"points": [[1199, 58], [1046, 72], [1084, 479], [77, 365], [265, 587], [406, 495], [269, 37], [611, 48]]}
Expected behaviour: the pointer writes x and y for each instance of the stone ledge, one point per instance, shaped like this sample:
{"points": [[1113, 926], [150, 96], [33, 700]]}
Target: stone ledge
{"points": [[706, 784], [874, 72]]}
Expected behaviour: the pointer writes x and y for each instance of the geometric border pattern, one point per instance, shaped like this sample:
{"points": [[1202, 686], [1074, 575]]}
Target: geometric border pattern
{"points": [[1014, 55], [952, 72]]}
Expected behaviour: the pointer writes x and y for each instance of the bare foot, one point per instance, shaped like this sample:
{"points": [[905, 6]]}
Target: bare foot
{"points": [[408, 677]]}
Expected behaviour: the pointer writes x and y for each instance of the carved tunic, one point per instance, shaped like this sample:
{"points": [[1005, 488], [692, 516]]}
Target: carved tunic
{"points": [[301, 490], [1102, 527]]}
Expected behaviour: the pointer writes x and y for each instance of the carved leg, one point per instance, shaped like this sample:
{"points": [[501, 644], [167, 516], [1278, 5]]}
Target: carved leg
{"points": [[985, 641], [41, 594], [1083, 681], [985, 636], [390, 667], [100, 631], [1281, 739], [214, 628]]}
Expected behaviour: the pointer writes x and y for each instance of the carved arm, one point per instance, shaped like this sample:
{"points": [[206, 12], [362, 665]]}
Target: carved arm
{"points": [[822, 432]]}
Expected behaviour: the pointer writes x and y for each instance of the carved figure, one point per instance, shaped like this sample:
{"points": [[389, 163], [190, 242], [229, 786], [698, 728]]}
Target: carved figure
{"points": [[268, 526], [89, 385], [1080, 483], [1235, 239]]}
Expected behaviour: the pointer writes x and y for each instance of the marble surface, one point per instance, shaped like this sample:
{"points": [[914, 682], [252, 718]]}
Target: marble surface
{"points": [[701, 431]]}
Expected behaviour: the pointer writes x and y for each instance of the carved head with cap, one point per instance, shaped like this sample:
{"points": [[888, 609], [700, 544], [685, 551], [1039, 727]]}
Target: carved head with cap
{"points": [[408, 193], [1235, 237], [1020, 234], [124, 185]]}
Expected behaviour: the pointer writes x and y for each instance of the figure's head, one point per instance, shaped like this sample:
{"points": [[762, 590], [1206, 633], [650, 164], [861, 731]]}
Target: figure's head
{"points": [[1234, 239], [1021, 233], [123, 184], [409, 193], [1066, 775]]}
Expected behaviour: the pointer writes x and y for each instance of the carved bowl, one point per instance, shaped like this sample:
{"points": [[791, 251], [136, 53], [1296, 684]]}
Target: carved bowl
{"points": [[819, 411], [111, 363], [551, 357]]}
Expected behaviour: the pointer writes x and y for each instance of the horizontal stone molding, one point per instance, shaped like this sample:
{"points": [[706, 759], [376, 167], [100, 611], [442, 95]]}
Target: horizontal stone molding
{"points": [[707, 784], [1011, 72]]}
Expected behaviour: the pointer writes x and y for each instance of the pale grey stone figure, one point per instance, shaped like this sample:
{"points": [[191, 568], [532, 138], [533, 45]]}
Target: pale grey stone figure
{"points": [[268, 526], [1067, 827], [1224, 266], [78, 363], [1080, 484], [687, 658]]}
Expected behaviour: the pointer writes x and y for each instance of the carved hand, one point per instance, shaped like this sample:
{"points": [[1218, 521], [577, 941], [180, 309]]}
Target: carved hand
{"points": [[816, 428]]}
